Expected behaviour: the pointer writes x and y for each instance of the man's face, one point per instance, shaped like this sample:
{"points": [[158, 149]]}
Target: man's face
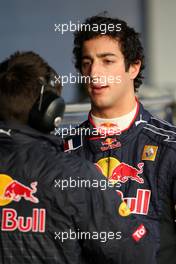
{"points": [[110, 84]]}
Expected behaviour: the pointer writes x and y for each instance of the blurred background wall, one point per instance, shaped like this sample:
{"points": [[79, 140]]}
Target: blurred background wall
{"points": [[29, 25], [161, 32]]}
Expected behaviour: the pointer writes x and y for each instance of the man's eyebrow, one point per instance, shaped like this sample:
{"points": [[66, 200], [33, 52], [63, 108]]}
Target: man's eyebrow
{"points": [[105, 54], [86, 57], [99, 55]]}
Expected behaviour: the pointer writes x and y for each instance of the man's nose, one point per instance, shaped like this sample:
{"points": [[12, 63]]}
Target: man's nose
{"points": [[95, 71]]}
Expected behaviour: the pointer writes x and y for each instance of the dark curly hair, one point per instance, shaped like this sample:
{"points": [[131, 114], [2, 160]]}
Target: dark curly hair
{"points": [[20, 84], [130, 44]]}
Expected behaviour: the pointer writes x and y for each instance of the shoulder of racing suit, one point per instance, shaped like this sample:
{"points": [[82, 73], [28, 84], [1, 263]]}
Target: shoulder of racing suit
{"points": [[162, 130]]}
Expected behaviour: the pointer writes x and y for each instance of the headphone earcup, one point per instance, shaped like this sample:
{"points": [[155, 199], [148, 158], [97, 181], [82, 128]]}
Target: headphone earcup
{"points": [[53, 106]]}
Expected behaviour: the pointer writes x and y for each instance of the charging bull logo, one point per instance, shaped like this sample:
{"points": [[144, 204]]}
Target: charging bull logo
{"points": [[110, 143], [16, 191], [117, 171], [124, 172], [12, 190]]}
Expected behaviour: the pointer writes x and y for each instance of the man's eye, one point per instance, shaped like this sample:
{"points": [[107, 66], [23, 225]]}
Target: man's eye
{"points": [[86, 63], [108, 61]]}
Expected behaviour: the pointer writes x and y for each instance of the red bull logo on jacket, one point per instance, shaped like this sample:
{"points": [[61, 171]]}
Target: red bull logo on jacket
{"points": [[121, 172], [13, 191], [11, 221], [16, 191], [140, 203], [117, 171], [110, 143]]}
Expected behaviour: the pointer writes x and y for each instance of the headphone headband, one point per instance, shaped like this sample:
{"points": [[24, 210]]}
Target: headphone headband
{"points": [[48, 108]]}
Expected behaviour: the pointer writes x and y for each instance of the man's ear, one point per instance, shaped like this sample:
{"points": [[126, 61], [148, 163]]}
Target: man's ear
{"points": [[134, 69]]}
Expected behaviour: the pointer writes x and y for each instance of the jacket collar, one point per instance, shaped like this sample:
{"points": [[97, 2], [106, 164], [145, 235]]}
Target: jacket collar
{"points": [[26, 134], [141, 118]]}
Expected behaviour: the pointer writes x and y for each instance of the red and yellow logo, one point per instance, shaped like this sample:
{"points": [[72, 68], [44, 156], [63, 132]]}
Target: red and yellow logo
{"points": [[121, 172], [12, 190], [117, 171], [5, 180]]}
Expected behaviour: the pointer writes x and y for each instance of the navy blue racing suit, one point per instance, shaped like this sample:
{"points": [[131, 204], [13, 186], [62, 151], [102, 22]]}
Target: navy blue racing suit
{"points": [[141, 160]]}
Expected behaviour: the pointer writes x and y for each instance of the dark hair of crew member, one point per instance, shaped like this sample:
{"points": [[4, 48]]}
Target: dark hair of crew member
{"points": [[130, 44], [20, 85]]}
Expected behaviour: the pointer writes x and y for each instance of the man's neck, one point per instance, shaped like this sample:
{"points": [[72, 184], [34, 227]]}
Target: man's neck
{"points": [[118, 111], [121, 123]]}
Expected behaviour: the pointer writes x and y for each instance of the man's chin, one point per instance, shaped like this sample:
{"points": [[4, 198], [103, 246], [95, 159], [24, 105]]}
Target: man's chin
{"points": [[100, 104]]}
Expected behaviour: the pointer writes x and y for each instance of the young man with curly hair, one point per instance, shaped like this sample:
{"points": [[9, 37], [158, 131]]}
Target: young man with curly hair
{"points": [[133, 149]]}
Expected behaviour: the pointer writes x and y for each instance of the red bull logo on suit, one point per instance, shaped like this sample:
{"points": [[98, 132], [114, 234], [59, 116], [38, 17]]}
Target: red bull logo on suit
{"points": [[121, 172], [13, 191]]}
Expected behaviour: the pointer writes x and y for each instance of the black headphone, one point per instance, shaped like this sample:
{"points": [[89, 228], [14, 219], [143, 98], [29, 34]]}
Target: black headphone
{"points": [[48, 110]]}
